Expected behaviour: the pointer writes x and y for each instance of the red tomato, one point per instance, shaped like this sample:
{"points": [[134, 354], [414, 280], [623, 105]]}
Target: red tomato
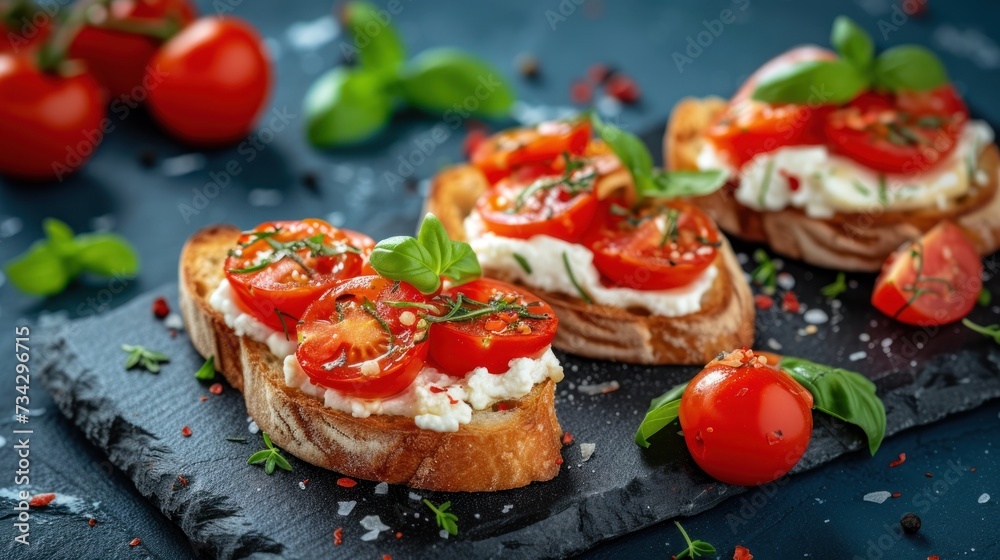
{"points": [[508, 323], [748, 127], [504, 151], [23, 27], [215, 81], [49, 125], [530, 203], [290, 283], [653, 248], [904, 133], [745, 422], [932, 281], [352, 340], [117, 57]]}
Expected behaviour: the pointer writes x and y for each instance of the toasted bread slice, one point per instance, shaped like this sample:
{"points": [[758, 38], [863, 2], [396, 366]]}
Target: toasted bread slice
{"points": [[846, 241], [726, 319], [497, 450]]}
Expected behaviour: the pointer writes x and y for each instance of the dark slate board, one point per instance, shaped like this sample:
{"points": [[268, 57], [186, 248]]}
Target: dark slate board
{"points": [[231, 510]]}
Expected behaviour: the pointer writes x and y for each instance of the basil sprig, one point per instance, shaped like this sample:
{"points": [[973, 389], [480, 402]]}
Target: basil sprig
{"points": [[649, 181], [904, 67], [349, 104], [421, 261], [50, 264], [843, 394]]}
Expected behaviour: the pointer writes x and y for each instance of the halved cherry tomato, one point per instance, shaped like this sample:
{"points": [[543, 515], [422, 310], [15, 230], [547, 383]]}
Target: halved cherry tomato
{"points": [[502, 152], [214, 83], [504, 323], [932, 281], [354, 339], [314, 257], [652, 248], [551, 205], [904, 133], [745, 422], [116, 57], [49, 124], [748, 127]]}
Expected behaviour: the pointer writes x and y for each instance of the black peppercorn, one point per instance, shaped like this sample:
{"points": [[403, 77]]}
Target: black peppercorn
{"points": [[910, 523]]}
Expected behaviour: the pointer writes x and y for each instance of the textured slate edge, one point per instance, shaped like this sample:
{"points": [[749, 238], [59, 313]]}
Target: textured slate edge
{"points": [[217, 527]]}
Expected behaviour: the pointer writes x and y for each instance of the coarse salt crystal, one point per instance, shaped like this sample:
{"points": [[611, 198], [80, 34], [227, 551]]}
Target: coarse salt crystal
{"points": [[302, 485], [773, 344], [785, 281], [859, 355], [253, 427], [345, 508], [815, 317], [864, 337], [886, 342], [507, 508], [599, 388], [877, 497], [984, 498], [374, 526], [587, 450], [414, 496], [174, 321], [382, 488]]}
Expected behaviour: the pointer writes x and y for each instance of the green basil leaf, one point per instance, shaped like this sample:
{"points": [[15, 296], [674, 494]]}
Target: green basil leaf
{"points": [[683, 184], [852, 42], [843, 394], [207, 371], [105, 254], [39, 271], [630, 151], [671, 395], [382, 49], [57, 232], [909, 67], [345, 106], [814, 82], [449, 81], [423, 260]]}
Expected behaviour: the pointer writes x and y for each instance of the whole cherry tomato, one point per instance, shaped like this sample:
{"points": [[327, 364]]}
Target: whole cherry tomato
{"points": [[214, 81], [49, 124], [118, 46], [745, 422]]}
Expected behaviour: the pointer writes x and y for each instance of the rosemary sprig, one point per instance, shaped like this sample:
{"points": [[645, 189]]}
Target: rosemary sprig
{"points": [[991, 331], [766, 185], [149, 360], [573, 186], [445, 519], [523, 262], [271, 457], [464, 308], [670, 231], [290, 249], [284, 326], [694, 548], [572, 278]]}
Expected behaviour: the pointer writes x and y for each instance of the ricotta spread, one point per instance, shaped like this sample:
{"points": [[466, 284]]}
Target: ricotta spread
{"points": [[243, 324], [543, 256], [822, 183]]}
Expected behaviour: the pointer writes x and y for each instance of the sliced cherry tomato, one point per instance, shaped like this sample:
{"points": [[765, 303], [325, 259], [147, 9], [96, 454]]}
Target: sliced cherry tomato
{"points": [[932, 281], [745, 422], [502, 152], [118, 56], [500, 322], [357, 339], [49, 124], [215, 79], [652, 248], [560, 206], [748, 127], [279, 268], [904, 133]]}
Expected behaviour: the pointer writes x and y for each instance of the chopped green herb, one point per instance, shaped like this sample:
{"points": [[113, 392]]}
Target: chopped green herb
{"points": [[694, 548], [883, 191], [861, 188], [766, 273], [445, 519], [766, 185], [149, 360], [985, 297], [583, 293], [271, 457], [207, 371], [991, 331], [523, 262], [836, 288]]}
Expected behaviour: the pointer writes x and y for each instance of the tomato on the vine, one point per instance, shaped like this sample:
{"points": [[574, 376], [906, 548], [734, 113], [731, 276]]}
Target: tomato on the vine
{"points": [[215, 79], [23, 27], [356, 338], [49, 124], [499, 154], [494, 323], [530, 203], [906, 132], [279, 268], [748, 127], [935, 280], [744, 421], [117, 47], [652, 248]]}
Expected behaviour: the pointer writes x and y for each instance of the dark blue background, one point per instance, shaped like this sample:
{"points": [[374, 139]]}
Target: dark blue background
{"points": [[816, 515]]}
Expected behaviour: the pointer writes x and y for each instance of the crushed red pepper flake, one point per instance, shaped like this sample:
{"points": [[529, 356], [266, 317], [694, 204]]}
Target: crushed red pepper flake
{"points": [[347, 482], [399, 534], [135, 542], [473, 139], [386, 557], [742, 553], [182, 480], [598, 73], [935, 557], [581, 92], [203, 399], [790, 302], [567, 438], [973, 469], [436, 389], [41, 500], [186, 431], [161, 308], [928, 475], [92, 522], [559, 461], [215, 389], [900, 461], [338, 536], [896, 494], [623, 88], [763, 301], [305, 482]]}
